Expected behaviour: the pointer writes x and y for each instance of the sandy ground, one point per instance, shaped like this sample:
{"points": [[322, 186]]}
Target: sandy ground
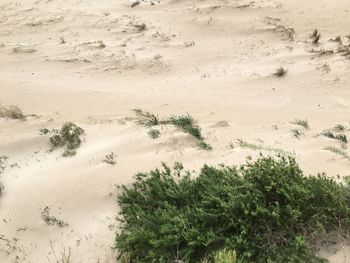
{"points": [[92, 62]]}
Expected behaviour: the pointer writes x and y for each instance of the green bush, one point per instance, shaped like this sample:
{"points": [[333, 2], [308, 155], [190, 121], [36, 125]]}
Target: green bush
{"points": [[266, 210], [68, 137]]}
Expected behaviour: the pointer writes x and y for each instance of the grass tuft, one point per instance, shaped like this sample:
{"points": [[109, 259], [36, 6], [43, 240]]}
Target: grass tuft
{"points": [[280, 72], [303, 123]]}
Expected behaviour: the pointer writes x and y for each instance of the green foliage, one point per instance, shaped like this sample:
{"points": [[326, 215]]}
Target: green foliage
{"points": [[68, 137], [146, 118], [225, 256], [340, 137], [266, 210], [183, 122]]}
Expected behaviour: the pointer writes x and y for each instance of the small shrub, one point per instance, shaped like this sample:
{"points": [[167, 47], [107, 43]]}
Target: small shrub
{"points": [[303, 123], [68, 137], [266, 210], [110, 158], [339, 128], [51, 220], [297, 133], [146, 118], [12, 112], [280, 72], [154, 133], [340, 137]]}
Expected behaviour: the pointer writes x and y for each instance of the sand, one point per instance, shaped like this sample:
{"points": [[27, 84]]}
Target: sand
{"points": [[91, 62]]}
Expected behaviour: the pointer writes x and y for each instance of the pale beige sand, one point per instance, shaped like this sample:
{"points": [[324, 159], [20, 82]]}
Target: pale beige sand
{"points": [[212, 59]]}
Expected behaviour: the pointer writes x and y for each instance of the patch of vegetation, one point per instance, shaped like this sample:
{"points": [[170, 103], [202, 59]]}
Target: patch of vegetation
{"points": [[338, 151], [280, 72], [11, 112], [266, 210], [51, 220], [225, 256], [183, 122], [315, 36], [258, 147], [154, 133], [3, 159], [340, 137], [187, 125], [297, 133], [303, 123], [110, 158], [339, 128], [67, 137], [146, 118]]}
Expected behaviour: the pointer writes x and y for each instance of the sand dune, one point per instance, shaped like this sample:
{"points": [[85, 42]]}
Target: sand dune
{"points": [[92, 62]]}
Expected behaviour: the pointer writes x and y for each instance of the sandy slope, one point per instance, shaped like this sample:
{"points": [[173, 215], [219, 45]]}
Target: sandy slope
{"points": [[91, 62]]}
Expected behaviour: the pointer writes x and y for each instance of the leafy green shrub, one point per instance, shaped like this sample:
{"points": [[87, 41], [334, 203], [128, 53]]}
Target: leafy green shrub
{"points": [[68, 137], [266, 210]]}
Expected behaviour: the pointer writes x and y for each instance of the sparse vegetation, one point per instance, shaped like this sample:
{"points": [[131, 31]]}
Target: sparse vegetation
{"points": [[110, 158], [297, 133], [338, 151], [11, 112], [303, 123], [183, 122], [3, 159], [340, 137], [339, 128], [154, 133], [280, 72], [258, 147], [265, 210], [67, 137], [315, 36], [51, 220], [146, 118]]}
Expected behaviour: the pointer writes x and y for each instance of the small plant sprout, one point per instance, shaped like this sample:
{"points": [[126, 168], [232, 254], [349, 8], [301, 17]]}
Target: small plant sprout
{"points": [[297, 133], [154, 133], [280, 72], [315, 36]]}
